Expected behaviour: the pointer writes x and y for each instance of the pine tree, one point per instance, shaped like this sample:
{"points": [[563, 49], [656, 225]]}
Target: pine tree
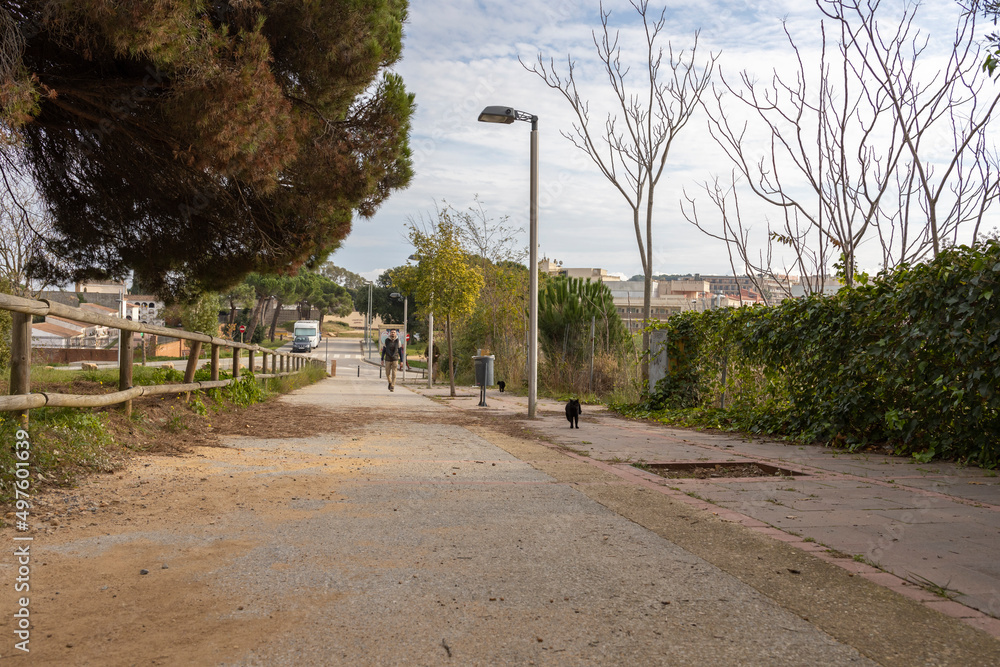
{"points": [[193, 143]]}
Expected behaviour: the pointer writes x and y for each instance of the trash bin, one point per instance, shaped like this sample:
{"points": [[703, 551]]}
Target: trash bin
{"points": [[484, 370]]}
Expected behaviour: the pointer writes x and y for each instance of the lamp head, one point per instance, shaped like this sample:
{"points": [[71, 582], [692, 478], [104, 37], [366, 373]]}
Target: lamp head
{"points": [[505, 115]]}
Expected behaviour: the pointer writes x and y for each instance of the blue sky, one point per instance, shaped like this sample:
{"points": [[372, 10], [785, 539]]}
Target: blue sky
{"points": [[462, 55]]}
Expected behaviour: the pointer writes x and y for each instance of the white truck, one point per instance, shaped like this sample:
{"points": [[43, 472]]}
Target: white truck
{"points": [[308, 329]]}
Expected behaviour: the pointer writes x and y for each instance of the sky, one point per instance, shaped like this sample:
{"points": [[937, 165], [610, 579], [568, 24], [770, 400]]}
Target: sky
{"points": [[460, 56]]}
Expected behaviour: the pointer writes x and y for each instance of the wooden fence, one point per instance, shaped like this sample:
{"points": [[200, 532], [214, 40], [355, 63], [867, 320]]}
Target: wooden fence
{"points": [[20, 398]]}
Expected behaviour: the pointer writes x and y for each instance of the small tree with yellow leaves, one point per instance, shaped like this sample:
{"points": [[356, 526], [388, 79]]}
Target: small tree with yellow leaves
{"points": [[445, 280]]}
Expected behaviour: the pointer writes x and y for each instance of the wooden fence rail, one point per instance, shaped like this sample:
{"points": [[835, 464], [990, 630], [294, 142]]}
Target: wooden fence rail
{"points": [[21, 399]]}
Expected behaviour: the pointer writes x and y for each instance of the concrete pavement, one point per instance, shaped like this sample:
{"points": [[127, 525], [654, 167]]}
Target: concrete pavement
{"points": [[930, 532]]}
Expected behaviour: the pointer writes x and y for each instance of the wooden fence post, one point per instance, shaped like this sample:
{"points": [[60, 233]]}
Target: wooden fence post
{"points": [[125, 366], [236, 362], [263, 363], [215, 362], [250, 361], [192, 364], [20, 360]]}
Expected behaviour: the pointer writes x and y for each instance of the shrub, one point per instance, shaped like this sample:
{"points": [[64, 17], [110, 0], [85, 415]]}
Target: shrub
{"points": [[911, 359]]}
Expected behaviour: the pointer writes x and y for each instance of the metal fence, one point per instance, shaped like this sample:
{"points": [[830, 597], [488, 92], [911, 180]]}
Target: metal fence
{"points": [[20, 398]]}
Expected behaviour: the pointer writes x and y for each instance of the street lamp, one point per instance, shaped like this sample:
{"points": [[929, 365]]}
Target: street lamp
{"points": [[506, 116], [399, 297], [368, 321]]}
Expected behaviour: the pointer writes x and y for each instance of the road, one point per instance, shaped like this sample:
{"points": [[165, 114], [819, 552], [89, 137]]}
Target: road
{"points": [[345, 351]]}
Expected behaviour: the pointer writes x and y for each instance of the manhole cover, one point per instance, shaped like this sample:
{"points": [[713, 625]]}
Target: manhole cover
{"points": [[712, 469]]}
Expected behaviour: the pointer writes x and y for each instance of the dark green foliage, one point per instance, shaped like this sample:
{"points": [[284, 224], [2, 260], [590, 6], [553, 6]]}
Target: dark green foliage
{"points": [[197, 142], [259, 332], [911, 359], [567, 307]]}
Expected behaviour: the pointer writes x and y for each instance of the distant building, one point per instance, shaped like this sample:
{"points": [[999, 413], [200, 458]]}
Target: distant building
{"points": [[59, 332], [101, 287], [824, 284], [554, 268], [668, 297], [147, 306], [754, 290]]}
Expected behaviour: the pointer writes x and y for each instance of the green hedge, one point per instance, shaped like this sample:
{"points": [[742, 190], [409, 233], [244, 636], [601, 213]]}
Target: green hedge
{"points": [[910, 359]]}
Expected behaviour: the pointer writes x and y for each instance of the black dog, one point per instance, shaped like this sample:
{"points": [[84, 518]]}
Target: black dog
{"points": [[501, 384], [573, 413]]}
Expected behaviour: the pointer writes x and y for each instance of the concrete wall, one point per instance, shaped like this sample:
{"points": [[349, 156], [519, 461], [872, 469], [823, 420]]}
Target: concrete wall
{"points": [[659, 365]]}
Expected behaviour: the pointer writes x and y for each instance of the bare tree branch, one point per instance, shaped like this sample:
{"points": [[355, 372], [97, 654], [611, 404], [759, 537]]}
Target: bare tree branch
{"points": [[632, 147], [858, 146]]}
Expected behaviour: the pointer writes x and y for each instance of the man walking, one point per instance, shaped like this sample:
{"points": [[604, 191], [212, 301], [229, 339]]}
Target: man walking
{"points": [[392, 352]]}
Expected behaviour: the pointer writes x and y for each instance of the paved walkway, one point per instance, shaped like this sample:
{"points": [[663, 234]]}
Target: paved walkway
{"points": [[424, 530], [928, 531]]}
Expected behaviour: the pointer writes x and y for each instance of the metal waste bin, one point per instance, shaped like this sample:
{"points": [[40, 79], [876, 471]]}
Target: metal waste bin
{"points": [[484, 370]]}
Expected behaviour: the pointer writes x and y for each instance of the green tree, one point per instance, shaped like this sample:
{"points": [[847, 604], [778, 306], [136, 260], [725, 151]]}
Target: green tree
{"points": [[202, 315], [238, 297], [325, 295], [499, 321], [446, 279], [568, 310], [197, 142], [348, 279], [288, 289]]}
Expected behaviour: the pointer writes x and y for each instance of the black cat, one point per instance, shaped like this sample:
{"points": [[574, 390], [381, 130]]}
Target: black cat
{"points": [[573, 413], [501, 384]]}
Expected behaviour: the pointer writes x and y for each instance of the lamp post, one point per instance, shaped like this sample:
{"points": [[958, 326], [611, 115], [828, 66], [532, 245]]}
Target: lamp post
{"points": [[506, 116], [368, 321], [405, 300]]}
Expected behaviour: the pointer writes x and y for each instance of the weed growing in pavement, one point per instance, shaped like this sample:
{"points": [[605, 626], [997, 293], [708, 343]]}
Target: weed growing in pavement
{"points": [[861, 558], [837, 553], [809, 539], [931, 587]]}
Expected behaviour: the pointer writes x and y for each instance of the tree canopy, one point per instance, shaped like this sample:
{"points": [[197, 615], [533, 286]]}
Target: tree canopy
{"points": [[193, 142]]}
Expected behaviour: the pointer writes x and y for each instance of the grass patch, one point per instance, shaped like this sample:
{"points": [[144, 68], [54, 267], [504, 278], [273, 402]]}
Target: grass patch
{"points": [[65, 442]]}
